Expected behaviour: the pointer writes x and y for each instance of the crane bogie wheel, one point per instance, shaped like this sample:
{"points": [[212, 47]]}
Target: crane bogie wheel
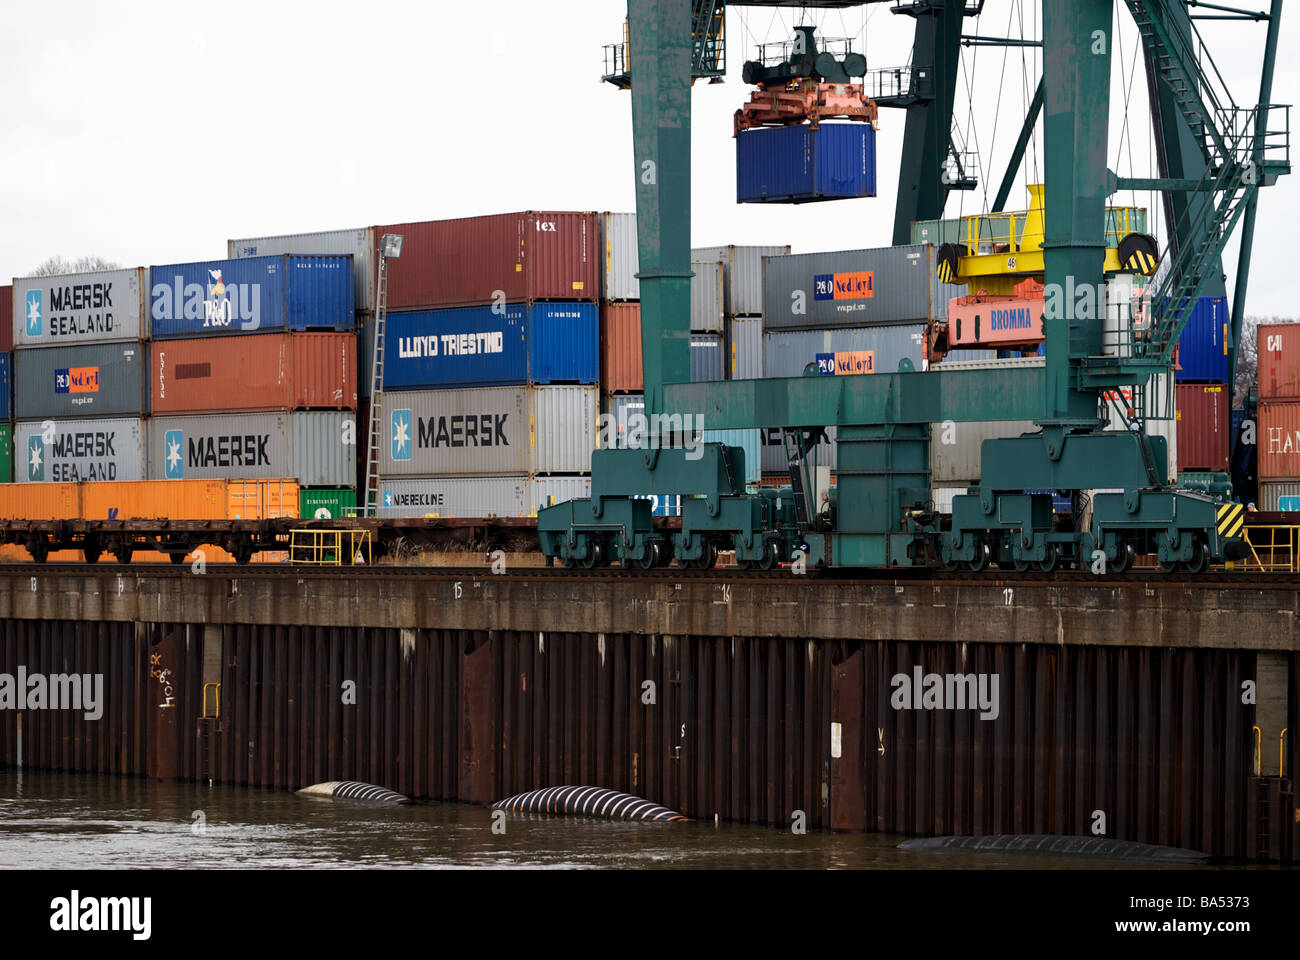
{"points": [[1200, 561], [1124, 558]]}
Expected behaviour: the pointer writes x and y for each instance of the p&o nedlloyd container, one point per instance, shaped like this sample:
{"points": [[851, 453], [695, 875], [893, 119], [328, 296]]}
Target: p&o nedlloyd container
{"points": [[540, 343], [99, 380], [253, 295], [317, 448], [492, 431], [855, 288], [72, 451], [359, 244], [105, 306], [509, 257]]}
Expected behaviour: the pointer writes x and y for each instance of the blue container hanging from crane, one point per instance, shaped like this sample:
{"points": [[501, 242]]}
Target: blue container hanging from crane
{"points": [[803, 164]]}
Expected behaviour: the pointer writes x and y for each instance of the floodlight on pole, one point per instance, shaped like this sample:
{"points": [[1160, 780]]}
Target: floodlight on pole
{"points": [[392, 246]]}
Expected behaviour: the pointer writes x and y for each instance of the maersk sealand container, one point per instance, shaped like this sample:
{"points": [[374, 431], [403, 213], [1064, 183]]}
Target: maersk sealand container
{"points": [[537, 343], [254, 295]]}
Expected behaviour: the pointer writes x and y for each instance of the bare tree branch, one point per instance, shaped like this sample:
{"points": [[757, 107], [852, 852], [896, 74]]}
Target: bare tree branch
{"points": [[56, 266]]}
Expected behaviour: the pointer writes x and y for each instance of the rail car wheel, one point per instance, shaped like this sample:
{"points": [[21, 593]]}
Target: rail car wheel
{"points": [[122, 552], [653, 556], [1123, 559], [595, 556], [1022, 566], [569, 562], [91, 550], [768, 559], [982, 556], [710, 558], [1050, 561], [1200, 562], [1167, 566], [39, 549]]}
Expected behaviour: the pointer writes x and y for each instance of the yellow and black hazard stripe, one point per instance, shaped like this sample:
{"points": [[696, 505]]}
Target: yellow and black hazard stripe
{"points": [[946, 258], [1139, 252], [1231, 518]]}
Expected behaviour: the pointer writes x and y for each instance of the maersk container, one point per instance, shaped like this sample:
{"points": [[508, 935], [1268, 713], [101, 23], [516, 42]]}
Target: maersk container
{"points": [[318, 449], [802, 164], [269, 371], [775, 460], [620, 348], [706, 357], [537, 343], [359, 244], [105, 306], [787, 354], [708, 296], [743, 269], [454, 497], [72, 451], [619, 257], [1203, 344], [548, 491], [6, 318], [744, 348], [101, 380], [1279, 496], [489, 431], [855, 288], [253, 295], [515, 257]]}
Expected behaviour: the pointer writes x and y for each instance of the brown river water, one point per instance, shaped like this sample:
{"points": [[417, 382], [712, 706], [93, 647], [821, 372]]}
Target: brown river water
{"points": [[79, 821]]}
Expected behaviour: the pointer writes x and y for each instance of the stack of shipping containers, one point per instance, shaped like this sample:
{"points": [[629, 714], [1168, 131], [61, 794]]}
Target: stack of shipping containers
{"points": [[491, 365], [1202, 395], [1278, 426], [6, 384], [359, 244]]}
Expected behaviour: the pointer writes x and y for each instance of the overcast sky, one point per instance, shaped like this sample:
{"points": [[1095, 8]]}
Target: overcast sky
{"points": [[151, 132]]}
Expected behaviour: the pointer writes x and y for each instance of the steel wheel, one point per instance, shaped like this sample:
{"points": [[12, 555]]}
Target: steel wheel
{"points": [[767, 561], [982, 556], [1022, 566], [1049, 562], [1168, 566], [710, 558], [653, 556], [1123, 559], [595, 555], [1201, 561]]}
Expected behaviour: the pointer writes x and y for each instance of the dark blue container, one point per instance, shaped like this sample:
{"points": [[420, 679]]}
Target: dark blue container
{"points": [[255, 295], [6, 386], [473, 346], [798, 164], [1203, 345], [1005, 354], [706, 357]]}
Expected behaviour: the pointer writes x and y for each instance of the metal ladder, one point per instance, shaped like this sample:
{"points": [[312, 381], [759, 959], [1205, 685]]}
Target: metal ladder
{"points": [[370, 504]]}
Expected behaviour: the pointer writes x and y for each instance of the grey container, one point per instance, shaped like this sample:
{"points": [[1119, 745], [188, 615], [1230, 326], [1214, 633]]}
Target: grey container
{"points": [[744, 274], [708, 299], [743, 347], [476, 497], [619, 257], [105, 306], [614, 427], [855, 288], [494, 431], [785, 354], [547, 491], [100, 380], [72, 451], [359, 242], [318, 449], [706, 357], [1271, 493], [955, 447]]}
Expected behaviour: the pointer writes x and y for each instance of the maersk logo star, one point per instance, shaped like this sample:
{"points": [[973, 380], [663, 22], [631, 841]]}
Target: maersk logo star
{"points": [[173, 440], [35, 460], [401, 434], [33, 313]]}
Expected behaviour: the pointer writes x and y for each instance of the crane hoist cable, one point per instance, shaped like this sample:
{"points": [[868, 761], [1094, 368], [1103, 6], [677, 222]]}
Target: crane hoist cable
{"points": [[997, 113]]}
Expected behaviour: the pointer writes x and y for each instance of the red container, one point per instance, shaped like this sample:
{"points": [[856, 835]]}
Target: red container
{"points": [[620, 347], [1279, 440], [266, 371], [6, 318], [1204, 426], [1279, 361], [525, 256]]}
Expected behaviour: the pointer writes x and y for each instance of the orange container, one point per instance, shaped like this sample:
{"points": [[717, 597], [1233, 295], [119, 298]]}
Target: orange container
{"points": [[40, 501], [620, 347], [1279, 361], [1278, 436], [268, 371], [191, 500]]}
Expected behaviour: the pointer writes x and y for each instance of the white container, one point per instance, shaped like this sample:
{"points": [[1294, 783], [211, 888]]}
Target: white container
{"points": [[318, 449], [548, 491], [708, 297], [102, 307], [492, 431], [619, 260], [744, 274], [476, 497], [72, 451], [1278, 496], [359, 243], [744, 346]]}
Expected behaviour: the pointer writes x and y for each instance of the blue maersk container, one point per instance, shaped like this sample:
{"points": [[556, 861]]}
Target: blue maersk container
{"points": [[254, 295], [1203, 344], [537, 343], [798, 164]]}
